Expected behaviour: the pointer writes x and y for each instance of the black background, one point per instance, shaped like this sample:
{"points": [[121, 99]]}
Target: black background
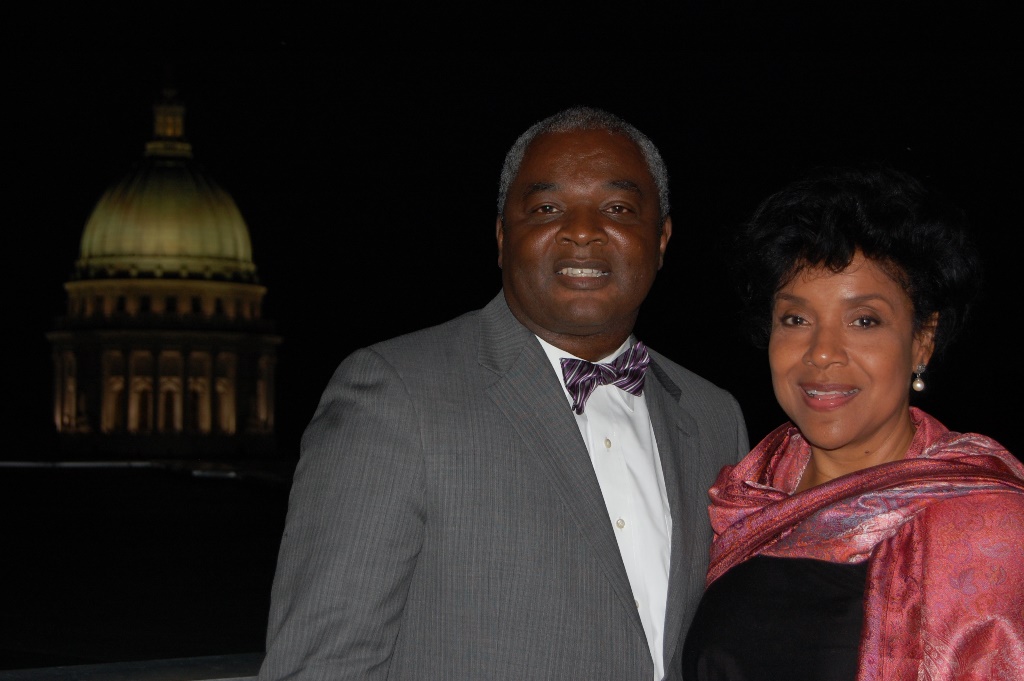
{"points": [[366, 169], [368, 184]]}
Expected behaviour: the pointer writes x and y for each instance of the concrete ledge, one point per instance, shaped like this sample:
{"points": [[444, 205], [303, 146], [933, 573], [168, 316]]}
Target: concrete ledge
{"points": [[213, 668]]}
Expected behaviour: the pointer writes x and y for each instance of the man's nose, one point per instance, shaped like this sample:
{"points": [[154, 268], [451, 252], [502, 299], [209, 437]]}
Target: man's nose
{"points": [[583, 227]]}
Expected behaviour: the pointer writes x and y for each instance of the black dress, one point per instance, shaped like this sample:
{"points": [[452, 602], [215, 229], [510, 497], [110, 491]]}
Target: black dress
{"points": [[769, 619]]}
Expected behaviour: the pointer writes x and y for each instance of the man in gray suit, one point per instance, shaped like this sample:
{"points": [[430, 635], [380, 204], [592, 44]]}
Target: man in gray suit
{"points": [[459, 511]]}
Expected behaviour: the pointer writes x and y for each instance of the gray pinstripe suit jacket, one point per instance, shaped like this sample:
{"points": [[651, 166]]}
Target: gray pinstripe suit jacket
{"points": [[445, 521]]}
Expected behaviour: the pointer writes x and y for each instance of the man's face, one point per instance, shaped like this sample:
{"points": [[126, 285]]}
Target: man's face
{"points": [[581, 240]]}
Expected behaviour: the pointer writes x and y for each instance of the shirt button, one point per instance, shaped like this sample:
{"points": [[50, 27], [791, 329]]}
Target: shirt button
{"points": [[620, 523], [607, 443]]}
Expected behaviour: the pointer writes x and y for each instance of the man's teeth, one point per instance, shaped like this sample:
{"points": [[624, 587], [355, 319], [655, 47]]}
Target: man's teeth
{"points": [[830, 393], [582, 272]]}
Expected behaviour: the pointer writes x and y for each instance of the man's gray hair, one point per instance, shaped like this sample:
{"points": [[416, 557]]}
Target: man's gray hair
{"points": [[584, 118]]}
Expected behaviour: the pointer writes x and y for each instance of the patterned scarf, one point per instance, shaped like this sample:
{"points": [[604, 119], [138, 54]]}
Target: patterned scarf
{"points": [[877, 514]]}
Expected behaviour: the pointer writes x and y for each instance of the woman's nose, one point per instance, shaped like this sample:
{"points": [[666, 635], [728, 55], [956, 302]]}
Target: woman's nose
{"points": [[826, 347]]}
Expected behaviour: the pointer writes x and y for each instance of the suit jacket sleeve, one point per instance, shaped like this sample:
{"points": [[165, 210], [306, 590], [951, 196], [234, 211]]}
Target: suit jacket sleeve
{"points": [[742, 440], [353, 530]]}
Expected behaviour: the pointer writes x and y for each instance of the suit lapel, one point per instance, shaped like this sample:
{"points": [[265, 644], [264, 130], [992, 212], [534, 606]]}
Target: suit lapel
{"points": [[676, 434], [528, 393]]}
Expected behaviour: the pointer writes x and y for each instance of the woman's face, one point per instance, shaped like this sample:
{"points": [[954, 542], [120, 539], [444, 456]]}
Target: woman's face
{"points": [[842, 354]]}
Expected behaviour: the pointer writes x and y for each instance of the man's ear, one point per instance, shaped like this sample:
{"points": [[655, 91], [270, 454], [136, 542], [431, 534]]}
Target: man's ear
{"points": [[499, 235], [666, 234]]}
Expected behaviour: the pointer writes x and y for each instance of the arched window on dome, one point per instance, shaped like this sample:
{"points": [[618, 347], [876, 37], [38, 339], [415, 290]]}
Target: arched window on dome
{"points": [[225, 387], [170, 407], [140, 399], [198, 406], [66, 391], [112, 411]]}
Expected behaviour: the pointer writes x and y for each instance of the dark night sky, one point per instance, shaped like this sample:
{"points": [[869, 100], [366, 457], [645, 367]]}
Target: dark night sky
{"points": [[367, 175], [368, 179]]}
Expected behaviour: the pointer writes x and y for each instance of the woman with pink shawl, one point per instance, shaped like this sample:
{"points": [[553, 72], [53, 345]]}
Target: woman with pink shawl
{"points": [[862, 539]]}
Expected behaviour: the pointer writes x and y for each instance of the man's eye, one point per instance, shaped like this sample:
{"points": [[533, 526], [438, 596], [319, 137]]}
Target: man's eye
{"points": [[547, 208], [791, 320], [618, 209]]}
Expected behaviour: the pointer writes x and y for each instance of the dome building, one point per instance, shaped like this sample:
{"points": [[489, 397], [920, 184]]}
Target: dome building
{"points": [[163, 351]]}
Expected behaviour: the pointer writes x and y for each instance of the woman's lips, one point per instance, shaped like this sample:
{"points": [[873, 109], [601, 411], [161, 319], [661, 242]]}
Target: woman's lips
{"points": [[828, 397]]}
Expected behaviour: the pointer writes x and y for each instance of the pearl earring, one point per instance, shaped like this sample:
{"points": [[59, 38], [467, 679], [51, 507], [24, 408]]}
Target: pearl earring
{"points": [[918, 384]]}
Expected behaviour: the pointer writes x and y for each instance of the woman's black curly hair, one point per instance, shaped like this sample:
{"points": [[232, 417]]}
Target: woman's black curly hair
{"points": [[824, 218]]}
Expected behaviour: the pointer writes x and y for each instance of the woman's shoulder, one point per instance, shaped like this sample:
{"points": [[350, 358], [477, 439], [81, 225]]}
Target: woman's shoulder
{"points": [[934, 441], [982, 516]]}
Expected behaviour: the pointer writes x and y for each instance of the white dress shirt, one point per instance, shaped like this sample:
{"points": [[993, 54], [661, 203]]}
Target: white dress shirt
{"points": [[616, 428]]}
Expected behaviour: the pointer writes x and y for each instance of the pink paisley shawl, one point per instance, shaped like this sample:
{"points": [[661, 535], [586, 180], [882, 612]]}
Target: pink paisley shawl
{"points": [[943, 530]]}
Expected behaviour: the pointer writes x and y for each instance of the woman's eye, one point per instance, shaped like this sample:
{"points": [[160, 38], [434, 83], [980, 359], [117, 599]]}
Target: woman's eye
{"points": [[865, 322], [791, 320]]}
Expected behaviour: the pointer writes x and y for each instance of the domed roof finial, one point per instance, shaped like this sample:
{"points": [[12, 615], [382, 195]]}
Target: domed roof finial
{"points": [[169, 127]]}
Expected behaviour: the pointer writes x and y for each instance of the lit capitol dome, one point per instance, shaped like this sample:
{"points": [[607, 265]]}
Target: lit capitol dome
{"points": [[163, 351], [167, 218]]}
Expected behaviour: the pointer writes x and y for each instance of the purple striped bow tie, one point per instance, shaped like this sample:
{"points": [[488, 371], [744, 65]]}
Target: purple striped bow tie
{"points": [[625, 372]]}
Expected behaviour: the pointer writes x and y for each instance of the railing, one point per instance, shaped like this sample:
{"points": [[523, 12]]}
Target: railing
{"points": [[214, 668]]}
